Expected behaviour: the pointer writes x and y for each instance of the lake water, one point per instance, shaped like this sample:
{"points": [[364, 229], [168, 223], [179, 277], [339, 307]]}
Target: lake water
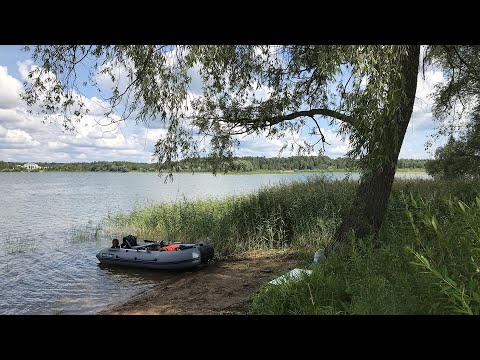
{"points": [[48, 222]]}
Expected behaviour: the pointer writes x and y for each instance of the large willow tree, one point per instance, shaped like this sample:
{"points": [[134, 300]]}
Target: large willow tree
{"points": [[366, 92]]}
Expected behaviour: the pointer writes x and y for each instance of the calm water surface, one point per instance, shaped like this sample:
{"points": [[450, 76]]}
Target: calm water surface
{"points": [[48, 223]]}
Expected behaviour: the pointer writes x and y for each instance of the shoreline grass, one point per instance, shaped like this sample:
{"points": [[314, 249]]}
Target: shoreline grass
{"points": [[428, 262], [301, 214]]}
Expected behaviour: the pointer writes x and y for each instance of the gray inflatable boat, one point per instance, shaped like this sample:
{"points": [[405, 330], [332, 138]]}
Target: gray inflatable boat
{"points": [[156, 255]]}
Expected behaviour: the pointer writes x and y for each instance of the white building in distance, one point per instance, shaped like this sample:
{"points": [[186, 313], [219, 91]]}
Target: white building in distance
{"points": [[31, 166]]}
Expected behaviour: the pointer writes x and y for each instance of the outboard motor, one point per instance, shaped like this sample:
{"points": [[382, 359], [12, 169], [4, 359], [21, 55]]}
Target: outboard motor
{"points": [[206, 252]]}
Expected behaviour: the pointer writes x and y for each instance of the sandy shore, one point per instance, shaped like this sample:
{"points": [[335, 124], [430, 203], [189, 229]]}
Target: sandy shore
{"points": [[219, 288]]}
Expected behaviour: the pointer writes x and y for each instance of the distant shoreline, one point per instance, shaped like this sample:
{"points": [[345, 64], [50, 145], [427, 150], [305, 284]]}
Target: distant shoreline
{"points": [[254, 172], [257, 172], [237, 165]]}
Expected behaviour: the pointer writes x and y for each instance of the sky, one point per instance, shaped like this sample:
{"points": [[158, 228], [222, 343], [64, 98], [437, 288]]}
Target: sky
{"points": [[25, 138]]}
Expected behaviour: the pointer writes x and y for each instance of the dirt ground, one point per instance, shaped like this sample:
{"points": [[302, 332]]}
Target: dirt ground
{"points": [[218, 288]]}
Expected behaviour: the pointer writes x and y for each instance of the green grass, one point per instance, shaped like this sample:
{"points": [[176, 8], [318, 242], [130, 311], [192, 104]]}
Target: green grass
{"points": [[89, 232], [429, 261], [300, 215]]}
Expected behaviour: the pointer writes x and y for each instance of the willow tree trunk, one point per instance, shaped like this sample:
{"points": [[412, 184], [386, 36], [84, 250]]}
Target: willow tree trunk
{"points": [[366, 215]]}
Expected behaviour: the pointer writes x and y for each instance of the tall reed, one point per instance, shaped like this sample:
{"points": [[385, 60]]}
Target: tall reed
{"points": [[297, 215]]}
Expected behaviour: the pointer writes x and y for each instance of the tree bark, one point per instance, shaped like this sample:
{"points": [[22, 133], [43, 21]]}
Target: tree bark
{"points": [[366, 215]]}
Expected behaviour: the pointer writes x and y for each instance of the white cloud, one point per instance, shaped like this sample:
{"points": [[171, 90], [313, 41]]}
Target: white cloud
{"points": [[18, 139], [335, 147], [56, 145], [9, 89], [422, 117], [119, 73], [96, 106], [154, 134], [259, 146], [96, 138], [24, 67], [196, 83], [18, 118]]}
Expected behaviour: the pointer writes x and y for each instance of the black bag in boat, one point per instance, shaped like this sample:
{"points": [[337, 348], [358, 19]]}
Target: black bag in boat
{"points": [[129, 241]]}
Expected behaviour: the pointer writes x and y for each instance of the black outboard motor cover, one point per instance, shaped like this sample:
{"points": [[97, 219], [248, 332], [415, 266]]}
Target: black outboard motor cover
{"points": [[129, 241], [206, 252]]}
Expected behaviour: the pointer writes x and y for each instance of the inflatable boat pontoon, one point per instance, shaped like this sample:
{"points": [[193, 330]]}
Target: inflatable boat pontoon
{"points": [[156, 255]]}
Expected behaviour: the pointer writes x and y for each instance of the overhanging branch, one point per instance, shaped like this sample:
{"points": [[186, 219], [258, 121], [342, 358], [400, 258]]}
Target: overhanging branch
{"points": [[310, 113], [268, 122]]}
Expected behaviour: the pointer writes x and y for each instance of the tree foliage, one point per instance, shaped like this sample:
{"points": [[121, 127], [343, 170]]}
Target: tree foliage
{"points": [[459, 158], [457, 106], [274, 91], [456, 99]]}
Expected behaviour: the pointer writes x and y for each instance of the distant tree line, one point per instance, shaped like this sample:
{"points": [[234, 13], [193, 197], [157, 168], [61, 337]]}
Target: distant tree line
{"points": [[237, 164], [293, 163], [112, 166]]}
